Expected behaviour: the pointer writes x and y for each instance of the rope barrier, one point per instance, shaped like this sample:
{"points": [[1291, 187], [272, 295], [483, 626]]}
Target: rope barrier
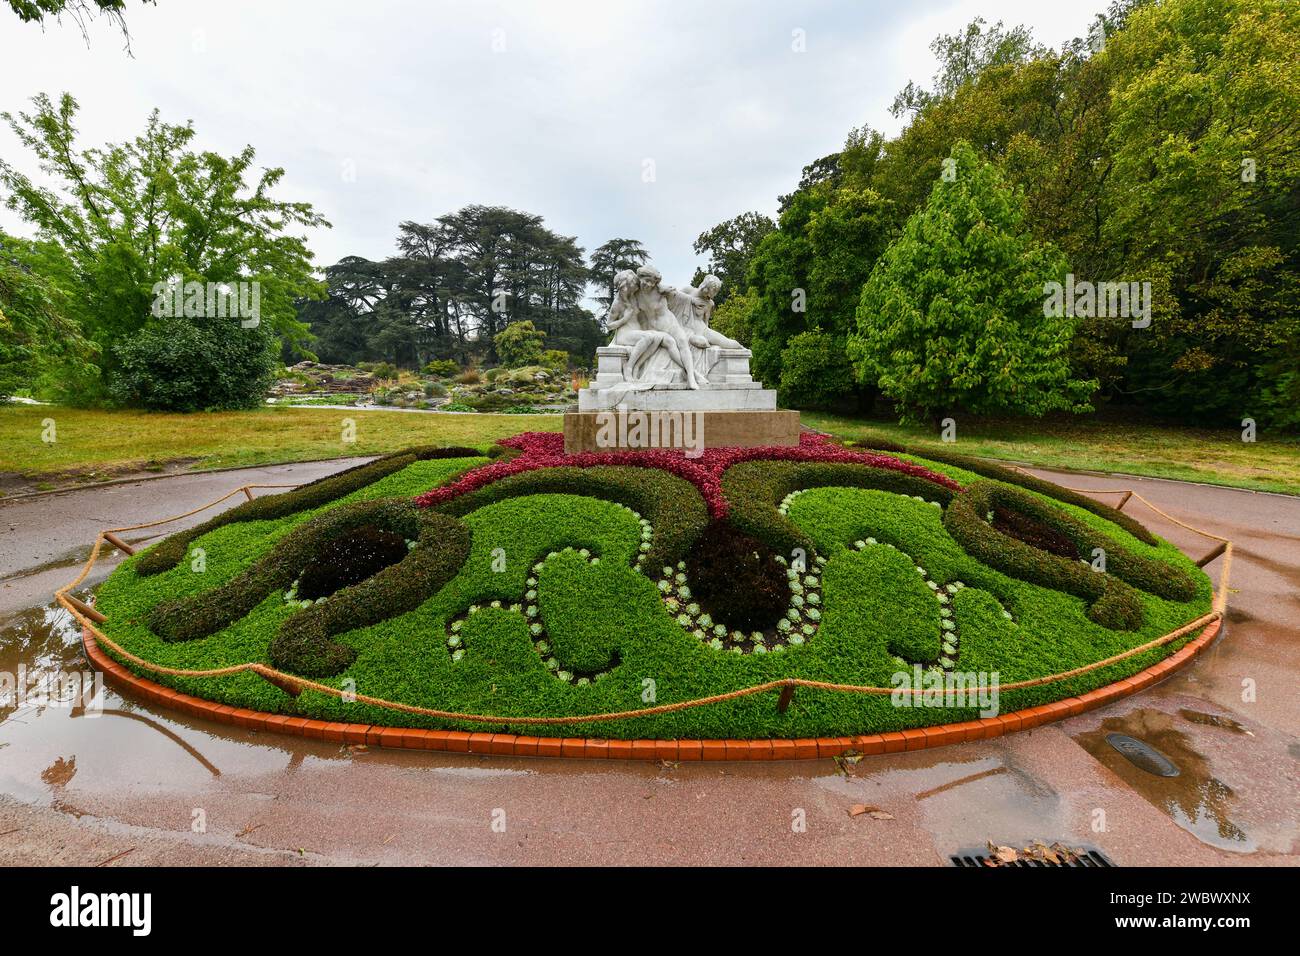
{"points": [[786, 685]]}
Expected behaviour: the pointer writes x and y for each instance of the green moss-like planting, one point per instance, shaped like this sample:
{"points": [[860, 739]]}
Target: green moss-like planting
{"points": [[555, 592]]}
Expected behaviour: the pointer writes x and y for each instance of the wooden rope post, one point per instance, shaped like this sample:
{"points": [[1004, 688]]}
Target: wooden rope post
{"points": [[1212, 555], [248, 493], [289, 687], [787, 695], [85, 609], [118, 543], [1123, 501]]}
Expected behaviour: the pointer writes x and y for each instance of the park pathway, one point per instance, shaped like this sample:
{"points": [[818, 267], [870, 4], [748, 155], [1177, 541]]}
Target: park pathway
{"points": [[130, 786]]}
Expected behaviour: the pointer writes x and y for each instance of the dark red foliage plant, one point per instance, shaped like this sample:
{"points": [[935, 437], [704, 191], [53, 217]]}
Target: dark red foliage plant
{"points": [[737, 579], [349, 559]]}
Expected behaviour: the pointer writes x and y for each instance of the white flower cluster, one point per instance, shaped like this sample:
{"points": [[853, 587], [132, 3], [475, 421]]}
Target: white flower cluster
{"points": [[647, 534], [799, 623]]}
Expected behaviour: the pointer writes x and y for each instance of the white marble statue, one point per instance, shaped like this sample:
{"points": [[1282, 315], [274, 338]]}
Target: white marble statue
{"points": [[625, 321], [664, 353]]}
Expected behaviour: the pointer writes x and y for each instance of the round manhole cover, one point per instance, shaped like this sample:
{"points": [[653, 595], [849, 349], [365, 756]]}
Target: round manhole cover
{"points": [[1143, 755]]}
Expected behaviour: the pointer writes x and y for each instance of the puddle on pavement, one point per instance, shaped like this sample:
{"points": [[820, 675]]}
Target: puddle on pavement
{"points": [[1213, 720], [1196, 800], [961, 803], [41, 643], [52, 747]]}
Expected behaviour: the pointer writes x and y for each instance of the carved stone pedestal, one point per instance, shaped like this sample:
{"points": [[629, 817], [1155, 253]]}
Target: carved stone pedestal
{"points": [[692, 431], [728, 386]]}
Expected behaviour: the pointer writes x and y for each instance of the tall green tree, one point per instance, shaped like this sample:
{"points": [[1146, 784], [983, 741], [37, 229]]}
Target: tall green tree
{"points": [[1204, 142], [730, 247], [454, 285], [806, 274], [128, 217], [609, 259], [40, 345], [953, 319]]}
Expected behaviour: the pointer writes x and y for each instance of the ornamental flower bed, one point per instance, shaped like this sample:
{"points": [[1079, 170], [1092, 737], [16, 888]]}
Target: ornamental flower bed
{"points": [[545, 586], [546, 450]]}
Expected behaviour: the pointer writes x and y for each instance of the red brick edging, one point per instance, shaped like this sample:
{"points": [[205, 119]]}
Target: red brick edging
{"points": [[460, 741]]}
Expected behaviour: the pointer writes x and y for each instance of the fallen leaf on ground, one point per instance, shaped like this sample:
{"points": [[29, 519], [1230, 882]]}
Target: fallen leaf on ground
{"points": [[1003, 854], [858, 809], [846, 761]]}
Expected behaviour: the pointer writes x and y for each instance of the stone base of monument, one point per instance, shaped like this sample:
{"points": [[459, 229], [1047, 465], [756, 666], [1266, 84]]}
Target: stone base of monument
{"points": [[729, 409], [692, 431]]}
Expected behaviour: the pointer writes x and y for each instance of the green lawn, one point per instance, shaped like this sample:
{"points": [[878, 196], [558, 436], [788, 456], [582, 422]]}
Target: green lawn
{"points": [[1217, 457], [100, 444], [109, 442]]}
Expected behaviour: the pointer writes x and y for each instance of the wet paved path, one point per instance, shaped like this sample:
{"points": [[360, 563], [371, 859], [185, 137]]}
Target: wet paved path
{"points": [[139, 786]]}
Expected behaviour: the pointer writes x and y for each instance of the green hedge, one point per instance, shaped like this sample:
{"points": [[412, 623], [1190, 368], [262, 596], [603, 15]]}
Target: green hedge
{"points": [[989, 470], [171, 551], [755, 488], [1114, 602], [302, 644], [672, 505]]}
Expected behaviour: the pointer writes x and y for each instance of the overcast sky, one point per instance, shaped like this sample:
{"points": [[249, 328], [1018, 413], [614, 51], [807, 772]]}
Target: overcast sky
{"points": [[384, 111]]}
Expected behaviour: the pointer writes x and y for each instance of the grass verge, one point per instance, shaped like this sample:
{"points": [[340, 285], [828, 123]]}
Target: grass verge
{"points": [[112, 442], [1215, 457]]}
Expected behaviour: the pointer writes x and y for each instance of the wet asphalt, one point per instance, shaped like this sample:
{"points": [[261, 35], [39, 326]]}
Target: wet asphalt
{"points": [[135, 785]]}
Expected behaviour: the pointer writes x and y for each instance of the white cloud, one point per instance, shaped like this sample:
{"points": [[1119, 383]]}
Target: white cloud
{"points": [[558, 123]]}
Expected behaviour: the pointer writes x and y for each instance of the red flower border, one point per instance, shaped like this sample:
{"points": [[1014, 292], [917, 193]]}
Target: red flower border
{"points": [[546, 450]]}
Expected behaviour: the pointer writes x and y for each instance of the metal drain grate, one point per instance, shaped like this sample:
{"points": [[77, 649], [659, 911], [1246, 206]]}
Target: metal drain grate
{"points": [[975, 858]]}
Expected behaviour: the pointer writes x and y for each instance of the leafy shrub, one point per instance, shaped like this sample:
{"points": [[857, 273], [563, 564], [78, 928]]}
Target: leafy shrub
{"points": [[877, 444], [167, 553], [350, 559], [519, 343], [529, 375], [189, 365], [384, 371], [488, 402], [815, 371], [737, 579], [457, 407], [492, 374], [520, 410], [443, 368], [1023, 527], [303, 644], [1115, 604], [557, 360], [952, 315]]}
